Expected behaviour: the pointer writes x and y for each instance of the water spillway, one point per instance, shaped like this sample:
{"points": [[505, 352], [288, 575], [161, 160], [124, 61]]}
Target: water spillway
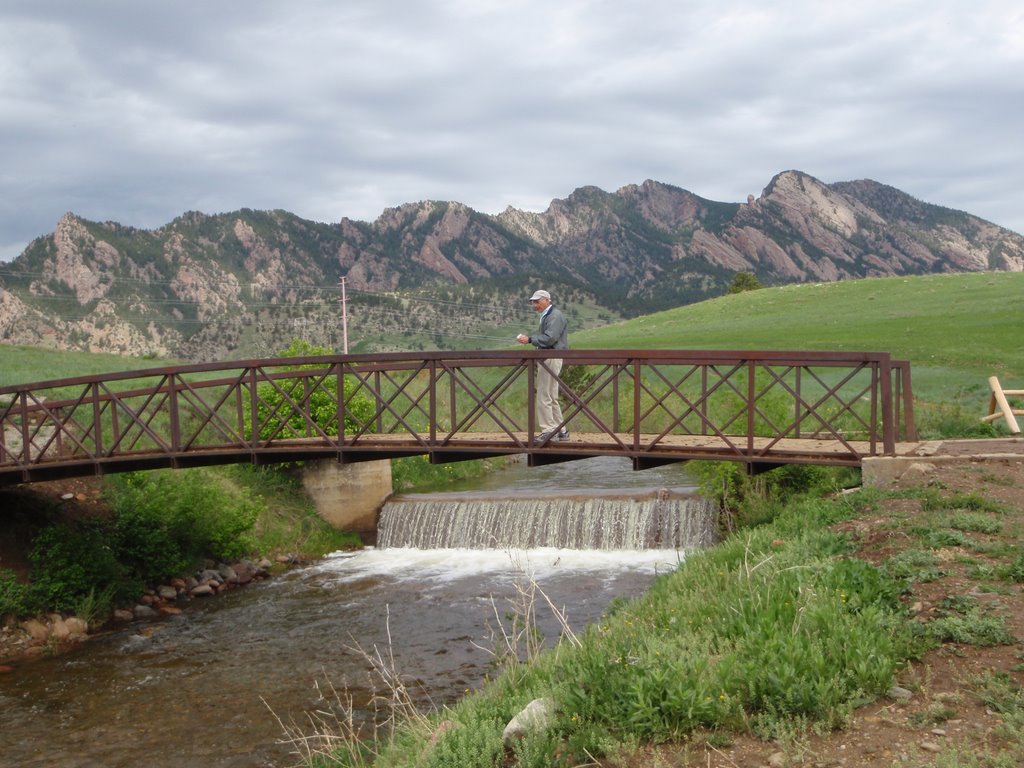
{"points": [[588, 532], [658, 521]]}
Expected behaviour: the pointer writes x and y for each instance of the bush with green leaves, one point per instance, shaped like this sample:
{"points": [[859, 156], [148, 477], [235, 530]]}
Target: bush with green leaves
{"points": [[73, 563], [287, 400], [14, 596], [167, 521], [747, 501], [744, 281], [164, 523]]}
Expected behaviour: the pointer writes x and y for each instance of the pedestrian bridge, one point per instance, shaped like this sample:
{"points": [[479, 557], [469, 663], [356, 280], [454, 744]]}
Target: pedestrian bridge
{"points": [[763, 409]]}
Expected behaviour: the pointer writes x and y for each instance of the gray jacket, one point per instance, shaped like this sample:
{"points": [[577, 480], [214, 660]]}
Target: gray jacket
{"points": [[554, 330]]}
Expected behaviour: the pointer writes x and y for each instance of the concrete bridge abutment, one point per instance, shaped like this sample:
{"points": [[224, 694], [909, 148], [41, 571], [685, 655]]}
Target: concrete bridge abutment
{"points": [[348, 496]]}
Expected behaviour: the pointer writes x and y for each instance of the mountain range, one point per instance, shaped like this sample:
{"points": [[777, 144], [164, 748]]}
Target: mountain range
{"points": [[441, 275]]}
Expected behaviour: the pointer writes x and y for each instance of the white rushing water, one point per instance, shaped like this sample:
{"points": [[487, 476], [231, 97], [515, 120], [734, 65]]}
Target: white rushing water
{"points": [[595, 523], [434, 568]]}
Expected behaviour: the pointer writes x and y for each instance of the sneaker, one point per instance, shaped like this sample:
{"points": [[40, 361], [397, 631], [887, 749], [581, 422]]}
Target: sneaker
{"points": [[552, 435]]}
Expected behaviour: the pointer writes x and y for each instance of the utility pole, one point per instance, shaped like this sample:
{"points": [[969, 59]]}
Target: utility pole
{"points": [[344, 318]]}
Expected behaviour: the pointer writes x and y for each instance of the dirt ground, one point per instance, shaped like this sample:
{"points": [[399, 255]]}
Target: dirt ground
{"points": [[944, 711]]}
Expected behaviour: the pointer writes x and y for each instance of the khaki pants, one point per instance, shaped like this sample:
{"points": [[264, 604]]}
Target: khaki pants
{"points": [[549, 411]]}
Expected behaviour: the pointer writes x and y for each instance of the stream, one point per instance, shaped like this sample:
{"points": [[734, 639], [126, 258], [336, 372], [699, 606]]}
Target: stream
{"points": [[212, 686]]}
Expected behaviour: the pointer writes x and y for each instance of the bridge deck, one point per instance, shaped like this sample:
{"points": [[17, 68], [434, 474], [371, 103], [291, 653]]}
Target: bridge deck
{"points": [[650, 450], [646, 450]]}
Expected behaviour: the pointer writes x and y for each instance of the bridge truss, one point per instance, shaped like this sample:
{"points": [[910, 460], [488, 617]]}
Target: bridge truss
{"points": [[763, 409]]}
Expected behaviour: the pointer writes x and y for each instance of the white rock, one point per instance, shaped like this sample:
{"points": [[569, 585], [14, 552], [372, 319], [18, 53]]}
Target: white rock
{"points": [[37, 630], [535, 716]]}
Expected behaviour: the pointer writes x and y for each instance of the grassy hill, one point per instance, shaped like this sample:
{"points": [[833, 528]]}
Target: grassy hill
{"points": [[23, 364], [956, 330]]}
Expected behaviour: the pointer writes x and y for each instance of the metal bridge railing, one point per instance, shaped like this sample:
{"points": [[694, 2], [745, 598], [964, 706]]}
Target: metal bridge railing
{"points": [[650, 405]]}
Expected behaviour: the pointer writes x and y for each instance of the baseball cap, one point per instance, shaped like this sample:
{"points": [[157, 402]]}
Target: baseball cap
{"points": [[540, 295]]}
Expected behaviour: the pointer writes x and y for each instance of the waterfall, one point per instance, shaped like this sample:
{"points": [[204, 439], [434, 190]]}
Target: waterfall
{"points": [[657, 522]]}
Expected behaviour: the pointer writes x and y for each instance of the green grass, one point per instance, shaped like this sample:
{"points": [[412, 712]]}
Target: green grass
{"points": [[23, 364], [956, 330], [287, 522]]}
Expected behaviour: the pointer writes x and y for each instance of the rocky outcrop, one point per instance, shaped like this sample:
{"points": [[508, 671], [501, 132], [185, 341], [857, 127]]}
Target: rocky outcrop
{"points": [[209, 287]]}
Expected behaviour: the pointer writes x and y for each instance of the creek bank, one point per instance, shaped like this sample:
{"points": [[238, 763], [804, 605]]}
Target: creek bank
{"points": [[22, 641]]}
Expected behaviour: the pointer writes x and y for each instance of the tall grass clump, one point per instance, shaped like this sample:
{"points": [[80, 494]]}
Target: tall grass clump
{"points": [[759, 629], [747, 501], [416, 472], [287, 521]]}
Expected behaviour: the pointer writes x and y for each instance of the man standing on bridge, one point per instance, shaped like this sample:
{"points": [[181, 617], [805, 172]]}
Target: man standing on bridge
{"points": [[553, 334]]}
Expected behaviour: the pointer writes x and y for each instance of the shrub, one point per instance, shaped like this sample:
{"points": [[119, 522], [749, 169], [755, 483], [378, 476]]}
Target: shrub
{"points": [[163, 524], [73, 562], [166, 522], [744, 281], [14, 596], [749, 501], [577, 377], [275, 401]]}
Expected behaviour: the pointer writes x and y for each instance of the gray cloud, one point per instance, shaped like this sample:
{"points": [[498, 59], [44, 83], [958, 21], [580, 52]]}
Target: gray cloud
{"points": [[135, 112]]}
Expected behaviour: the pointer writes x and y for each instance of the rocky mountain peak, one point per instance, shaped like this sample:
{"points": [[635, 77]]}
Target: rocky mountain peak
{"points": [[208, 286]]}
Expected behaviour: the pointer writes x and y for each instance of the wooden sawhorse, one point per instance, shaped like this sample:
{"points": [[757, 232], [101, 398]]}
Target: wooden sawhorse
{"points": [[999, 406]]}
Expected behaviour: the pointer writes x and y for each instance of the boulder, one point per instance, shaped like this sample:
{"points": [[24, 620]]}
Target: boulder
{"points": [[538, 715], [37, 630], [167, 592], [59, 629], [76, 627], [209, 575], [245, 571]]}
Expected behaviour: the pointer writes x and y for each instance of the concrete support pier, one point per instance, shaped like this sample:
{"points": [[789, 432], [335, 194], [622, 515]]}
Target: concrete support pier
{"points": [[348, 496]]}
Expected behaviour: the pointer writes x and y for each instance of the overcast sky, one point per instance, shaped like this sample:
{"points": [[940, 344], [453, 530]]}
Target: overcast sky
{"points": [[135, 111]]}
